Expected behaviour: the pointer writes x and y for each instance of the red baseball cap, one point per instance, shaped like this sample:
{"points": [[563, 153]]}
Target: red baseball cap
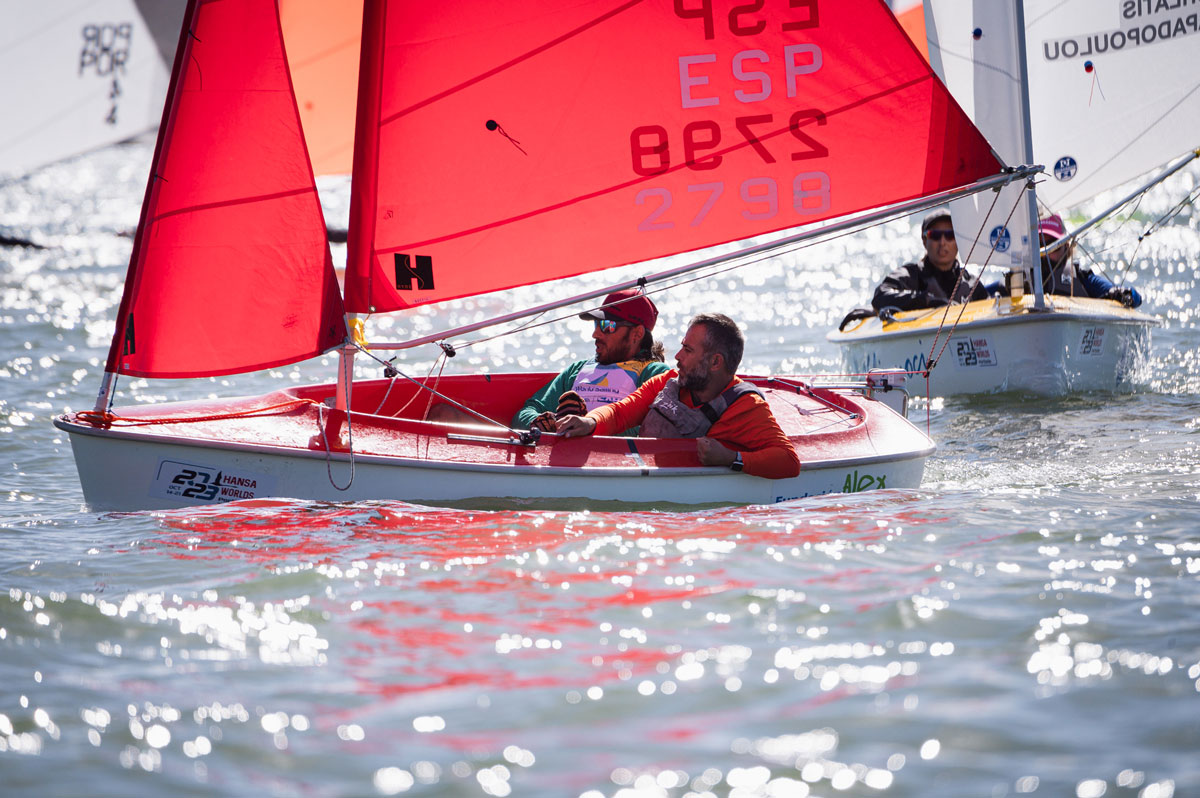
{"points": [[1052, 227], [629, 305]]}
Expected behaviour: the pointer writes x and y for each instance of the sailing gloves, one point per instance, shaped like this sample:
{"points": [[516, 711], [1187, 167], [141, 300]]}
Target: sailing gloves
{"points": [[1122, 295], [544, 422], [569, 404]]}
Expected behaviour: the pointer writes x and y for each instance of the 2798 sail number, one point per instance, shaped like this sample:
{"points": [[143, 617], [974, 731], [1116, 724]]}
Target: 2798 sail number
{"points": [[759, 196], [650, 145], [651, 149]]}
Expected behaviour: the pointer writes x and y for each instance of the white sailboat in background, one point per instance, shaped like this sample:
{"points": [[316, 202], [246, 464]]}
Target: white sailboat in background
{"points": [[95, 73], [492, 150], [90, 74], [1107, 97]]}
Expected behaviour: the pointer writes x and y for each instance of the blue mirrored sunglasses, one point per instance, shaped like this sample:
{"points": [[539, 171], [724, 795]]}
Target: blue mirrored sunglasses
{"points": [[608, 326]]}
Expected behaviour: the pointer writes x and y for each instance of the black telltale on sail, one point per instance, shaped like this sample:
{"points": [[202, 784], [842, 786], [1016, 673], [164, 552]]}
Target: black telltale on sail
{"points": [[492, 124]]}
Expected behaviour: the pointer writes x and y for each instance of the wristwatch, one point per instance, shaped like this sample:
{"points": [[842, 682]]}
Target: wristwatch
{"points": [[736, 465]]}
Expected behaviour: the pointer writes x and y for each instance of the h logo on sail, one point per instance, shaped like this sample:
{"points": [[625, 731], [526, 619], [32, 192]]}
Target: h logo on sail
{"points": [[406, 272]]}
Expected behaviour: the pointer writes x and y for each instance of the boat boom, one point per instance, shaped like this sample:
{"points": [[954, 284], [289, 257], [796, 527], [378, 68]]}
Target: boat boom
{"points": [[1095, 220]]}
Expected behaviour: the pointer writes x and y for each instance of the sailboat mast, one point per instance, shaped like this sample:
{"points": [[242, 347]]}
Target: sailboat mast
{"points": [[365, 176], [1039, 300]]}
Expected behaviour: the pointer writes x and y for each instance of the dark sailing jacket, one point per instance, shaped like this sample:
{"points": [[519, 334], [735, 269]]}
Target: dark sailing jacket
{"points": [[1071, 279], [914, 286]]}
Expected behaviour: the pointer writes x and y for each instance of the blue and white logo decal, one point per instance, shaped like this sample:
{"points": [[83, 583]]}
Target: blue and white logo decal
{"points": [[1000, 239], [1065, 168]]}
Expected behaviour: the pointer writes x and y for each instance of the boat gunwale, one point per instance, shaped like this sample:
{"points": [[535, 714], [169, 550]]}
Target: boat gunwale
{"points": [[67, 424], [1024, 317]]}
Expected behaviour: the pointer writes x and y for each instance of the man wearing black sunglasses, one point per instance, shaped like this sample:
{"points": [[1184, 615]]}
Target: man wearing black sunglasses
{"points": [[937, 280], [626, 356]]}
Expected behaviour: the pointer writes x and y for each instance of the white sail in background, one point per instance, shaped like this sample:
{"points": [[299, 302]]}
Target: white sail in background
{"points": [[80, 75], [973, 47], [1113, 94], [1114, 91]]}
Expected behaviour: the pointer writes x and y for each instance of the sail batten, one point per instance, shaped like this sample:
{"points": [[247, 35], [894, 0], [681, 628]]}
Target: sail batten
{"points": [[295, 192]]}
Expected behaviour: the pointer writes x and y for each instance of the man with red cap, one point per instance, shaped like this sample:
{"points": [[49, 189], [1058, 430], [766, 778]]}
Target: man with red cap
{"points": [[626, 356], [704, 399], [1063, 276]]}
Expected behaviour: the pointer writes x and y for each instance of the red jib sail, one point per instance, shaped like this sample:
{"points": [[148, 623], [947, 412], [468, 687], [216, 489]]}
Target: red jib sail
{"points": [[501, 144], [231, 269]]}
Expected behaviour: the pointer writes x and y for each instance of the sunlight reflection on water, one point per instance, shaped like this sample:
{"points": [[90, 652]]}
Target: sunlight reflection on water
{"points": [[449, 629]]}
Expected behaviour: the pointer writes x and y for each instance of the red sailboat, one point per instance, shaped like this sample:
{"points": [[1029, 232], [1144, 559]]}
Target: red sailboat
{"points": [[498, 146]]}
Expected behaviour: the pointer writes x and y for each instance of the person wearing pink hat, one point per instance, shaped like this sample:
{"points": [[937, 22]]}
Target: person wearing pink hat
{"points": [[626, 356], [1062, 275], [937, 280]]}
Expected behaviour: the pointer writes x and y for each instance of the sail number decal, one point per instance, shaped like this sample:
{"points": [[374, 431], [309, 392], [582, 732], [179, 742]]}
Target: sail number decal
{"points": [[105, 53], [973, 351], [650, 145], [1092, 342], [701, 146], [743, 18], [759, 195]]}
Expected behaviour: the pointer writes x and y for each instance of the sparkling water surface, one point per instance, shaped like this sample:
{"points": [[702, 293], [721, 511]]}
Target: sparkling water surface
{"points": [[1025, 623]]}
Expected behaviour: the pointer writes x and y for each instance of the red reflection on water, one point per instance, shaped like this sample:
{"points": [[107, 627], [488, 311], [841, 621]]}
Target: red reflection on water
{"points": [[510, 600]]}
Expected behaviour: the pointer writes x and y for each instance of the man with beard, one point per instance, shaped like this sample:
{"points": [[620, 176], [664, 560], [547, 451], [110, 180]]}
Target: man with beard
{"points": [[703, 399], [626, 356]]}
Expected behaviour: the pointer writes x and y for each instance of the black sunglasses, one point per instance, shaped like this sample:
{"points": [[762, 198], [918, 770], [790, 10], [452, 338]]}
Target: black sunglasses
{"points": [[939, 235]]}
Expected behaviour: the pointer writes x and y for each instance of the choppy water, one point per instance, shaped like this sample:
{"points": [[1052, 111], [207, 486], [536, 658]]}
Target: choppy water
{"points": [[1028, 622]]}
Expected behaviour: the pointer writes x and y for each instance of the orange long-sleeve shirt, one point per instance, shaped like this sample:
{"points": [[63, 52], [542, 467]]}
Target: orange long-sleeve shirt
{"points": [[747, 426]]}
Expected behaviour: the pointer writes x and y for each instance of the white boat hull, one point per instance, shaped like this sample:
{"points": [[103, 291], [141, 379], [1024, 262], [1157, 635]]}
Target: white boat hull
{"points": [[209, 452], [123, 474], [1078, 345]]}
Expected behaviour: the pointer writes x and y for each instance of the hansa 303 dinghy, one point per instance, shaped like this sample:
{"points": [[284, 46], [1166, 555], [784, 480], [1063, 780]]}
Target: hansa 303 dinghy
{"points": [[497, 146], [1062, 82]]}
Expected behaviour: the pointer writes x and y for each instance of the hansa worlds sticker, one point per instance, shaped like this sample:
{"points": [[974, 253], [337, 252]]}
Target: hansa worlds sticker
{"points": [[973, 351], [1092, 342], [205, 485]]}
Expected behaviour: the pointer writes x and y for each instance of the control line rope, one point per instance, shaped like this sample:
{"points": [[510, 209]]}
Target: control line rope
{"points": [[108, 419]]}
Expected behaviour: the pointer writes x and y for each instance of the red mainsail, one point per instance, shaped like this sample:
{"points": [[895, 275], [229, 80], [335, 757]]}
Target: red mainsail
{"points": [[502, 144], [231, 270]]}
